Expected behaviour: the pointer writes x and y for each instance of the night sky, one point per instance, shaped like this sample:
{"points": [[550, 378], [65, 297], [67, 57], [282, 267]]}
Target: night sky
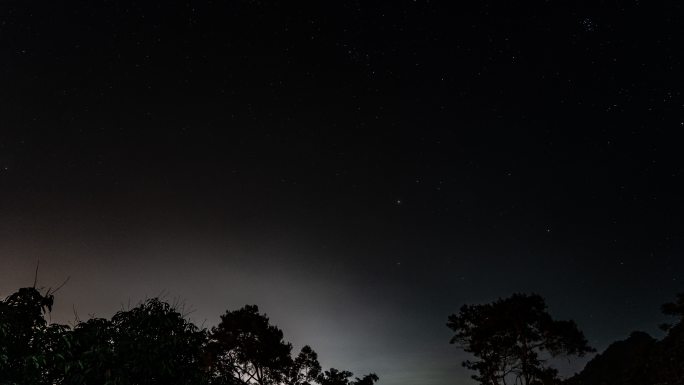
{"points": [[357, 169]]}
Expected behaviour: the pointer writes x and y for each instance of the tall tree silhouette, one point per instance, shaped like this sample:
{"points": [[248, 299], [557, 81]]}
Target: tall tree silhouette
{"points": [[305, 369], [247, 348], [511, 338]]}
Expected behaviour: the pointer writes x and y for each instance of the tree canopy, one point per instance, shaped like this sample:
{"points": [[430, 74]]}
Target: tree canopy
{"points": [[31, 350], [511, 339], [245, 346], [150, 344]]}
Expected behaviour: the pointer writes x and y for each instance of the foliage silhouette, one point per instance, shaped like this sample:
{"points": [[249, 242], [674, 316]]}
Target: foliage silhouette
{"points": [[640, 359], [93, 354], [335, 377], [305, 369], [621, 363], [31, 350], [154, 344], [342, 377], [150, 344], [245, 346], [668, 360], [510, 338]]}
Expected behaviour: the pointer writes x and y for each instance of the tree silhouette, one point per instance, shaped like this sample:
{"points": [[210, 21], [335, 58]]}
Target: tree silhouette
{"points": [[155, 344], [341, 377], [669, 358], [93, 358], [674, 309], [246, 347], [512, 337], [335, 377], [305, 369], [150, 344], [31, 350], [368, 379]]}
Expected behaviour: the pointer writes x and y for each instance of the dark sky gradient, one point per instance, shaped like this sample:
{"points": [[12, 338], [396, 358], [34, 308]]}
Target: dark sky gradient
{"points": [[357, 169]]}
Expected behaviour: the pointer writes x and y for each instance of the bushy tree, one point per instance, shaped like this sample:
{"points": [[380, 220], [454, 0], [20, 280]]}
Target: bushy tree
{"points": [[92, 354], [511, 337], [31, 350], [155, 344], [149, 344]]}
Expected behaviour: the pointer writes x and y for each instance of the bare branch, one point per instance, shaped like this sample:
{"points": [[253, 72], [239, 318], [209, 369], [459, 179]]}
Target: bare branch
{"points": [[35, 276], [62, 285]]}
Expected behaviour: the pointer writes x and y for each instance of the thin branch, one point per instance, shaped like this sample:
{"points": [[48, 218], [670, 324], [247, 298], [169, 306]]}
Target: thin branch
{"points": [[76, 319], [35, 276], [60, 286]]}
